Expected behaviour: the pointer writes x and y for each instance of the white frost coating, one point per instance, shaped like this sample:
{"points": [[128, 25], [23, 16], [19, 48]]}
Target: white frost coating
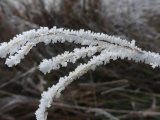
{"points": [[52, 64], [58, 35], [109, 47], [14, 60], [55, 90]]}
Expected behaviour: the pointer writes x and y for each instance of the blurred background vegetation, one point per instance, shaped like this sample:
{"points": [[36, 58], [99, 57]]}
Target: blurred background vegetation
{"points": [[121, 90]]}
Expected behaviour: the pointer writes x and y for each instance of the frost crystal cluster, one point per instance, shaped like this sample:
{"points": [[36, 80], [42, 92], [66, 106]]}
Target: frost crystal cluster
{"points": [[108, 47]]}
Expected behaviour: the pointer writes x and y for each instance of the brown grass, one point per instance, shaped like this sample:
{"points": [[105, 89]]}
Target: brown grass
{"points": [[127, 90]]}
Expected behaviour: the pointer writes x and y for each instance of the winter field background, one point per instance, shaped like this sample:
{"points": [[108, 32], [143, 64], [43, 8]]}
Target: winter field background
{"points": [[122, 90]]}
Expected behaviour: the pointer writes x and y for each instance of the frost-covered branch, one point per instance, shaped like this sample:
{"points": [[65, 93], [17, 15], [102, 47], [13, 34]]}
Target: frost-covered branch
{"points": [[55, 62], [108, 47]]}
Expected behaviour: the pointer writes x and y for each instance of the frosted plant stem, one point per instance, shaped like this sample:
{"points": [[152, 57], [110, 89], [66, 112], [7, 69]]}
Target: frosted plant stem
{"points": [[55, 90], [108, 47], [54, 63], [14, 60], [55, 35]]}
